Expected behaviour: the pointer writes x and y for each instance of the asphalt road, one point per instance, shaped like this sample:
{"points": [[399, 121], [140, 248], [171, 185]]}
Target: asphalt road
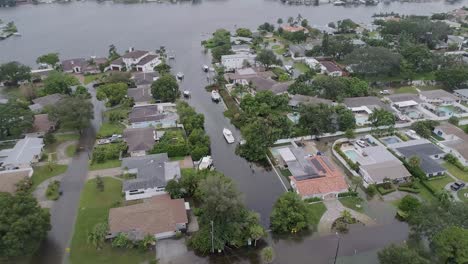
{"points": [[63, 213]]}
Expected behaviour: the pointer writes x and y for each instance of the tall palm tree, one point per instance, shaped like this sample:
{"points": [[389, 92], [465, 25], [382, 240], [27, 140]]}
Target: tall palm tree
{"points": [[268, 255]]}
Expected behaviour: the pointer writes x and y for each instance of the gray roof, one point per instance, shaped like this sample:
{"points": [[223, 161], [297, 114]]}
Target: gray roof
{"points": [[386, 170], [371, 102], [139, 139], [144, 78], [134, 54], [439, 94], [462, 92], [147, 59], [395, 98], [140, 94], [300, 49], [424, 151], [41, 102], [149, 113], [298, 99], [240, 47], [152, 171], [68, 65], [24, 152]]}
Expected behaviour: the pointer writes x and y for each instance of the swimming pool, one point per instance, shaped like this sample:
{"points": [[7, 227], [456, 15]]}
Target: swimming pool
{"points": [[352, 155], [361, 119], [448, 110], [390, 140]]}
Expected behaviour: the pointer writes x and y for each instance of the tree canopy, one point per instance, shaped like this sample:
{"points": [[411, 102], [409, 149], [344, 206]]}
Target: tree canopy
{"points": [[12, 73], [165, 89], [59, 82], [451, 245], [382, 117], [51, 59], [23, 225], [268, 58], [452, 77], [114, 93], [244, 32], [374, 61], [290, 214], [394, 254], [15, 119], [73, 113], [322, 118]]}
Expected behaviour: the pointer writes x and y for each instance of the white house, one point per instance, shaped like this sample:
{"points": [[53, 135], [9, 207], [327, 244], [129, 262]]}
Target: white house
{"points": [[236, 61], [438, 97], [152, 174], [148, 63], [26, 152], [462, 94], [142, 61], [315, 64], [455, 141]]}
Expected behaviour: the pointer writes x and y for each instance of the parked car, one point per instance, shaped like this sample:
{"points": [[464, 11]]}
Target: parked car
{"points": [[457, 186], [385, 92]]}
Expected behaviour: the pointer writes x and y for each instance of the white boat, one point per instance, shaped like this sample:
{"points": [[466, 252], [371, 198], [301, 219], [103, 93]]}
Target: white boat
{"points": [[215, 96], [205, 68], [339, 3], [228, 136], [206, 163], [187, 94], [180, 76]]}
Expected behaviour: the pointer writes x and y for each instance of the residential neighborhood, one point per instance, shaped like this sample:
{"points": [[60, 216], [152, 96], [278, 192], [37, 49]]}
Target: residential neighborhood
{"points": [[350, 139]]}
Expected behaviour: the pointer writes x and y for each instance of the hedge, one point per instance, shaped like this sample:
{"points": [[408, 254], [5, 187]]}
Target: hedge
{"points": [[408, 189], [384, 191], [348, 194], [313, 199], [454, 161], [429, 187]]}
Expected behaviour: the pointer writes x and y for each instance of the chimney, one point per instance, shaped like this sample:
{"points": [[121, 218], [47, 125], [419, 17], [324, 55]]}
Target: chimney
{"points": [[131, 49]]}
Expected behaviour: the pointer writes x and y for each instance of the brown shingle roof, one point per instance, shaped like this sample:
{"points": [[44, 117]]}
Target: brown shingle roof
{"points": [[42, 123], [157, 215], [139, 139], [9, 179]]}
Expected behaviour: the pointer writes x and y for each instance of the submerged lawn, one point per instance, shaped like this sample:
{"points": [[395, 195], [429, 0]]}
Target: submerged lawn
{"points": [[42, 173], [316, 212], [94, 208], [352, 202], [105, 165]]}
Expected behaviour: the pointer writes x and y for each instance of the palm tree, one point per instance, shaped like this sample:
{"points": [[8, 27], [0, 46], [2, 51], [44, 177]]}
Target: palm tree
{"points": [[268, 255], [256, 232], [148, 241], [347, 217], [290, 20], [414, 161], [299, 18], [97, 236], [356, 181], [279, 21]]}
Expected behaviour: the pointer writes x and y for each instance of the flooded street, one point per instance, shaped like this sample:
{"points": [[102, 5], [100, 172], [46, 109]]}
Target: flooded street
{"points": [[83, 29]]}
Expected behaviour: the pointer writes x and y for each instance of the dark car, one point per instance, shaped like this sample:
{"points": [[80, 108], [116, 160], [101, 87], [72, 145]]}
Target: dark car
{"points": [[457, 186]]}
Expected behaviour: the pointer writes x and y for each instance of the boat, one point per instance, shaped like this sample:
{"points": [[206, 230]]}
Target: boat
{"points": [[228, 136], [205, 68], [206, 163], [180, 76], [215, 96], [187, 94], [17, 34], [339, 3]]}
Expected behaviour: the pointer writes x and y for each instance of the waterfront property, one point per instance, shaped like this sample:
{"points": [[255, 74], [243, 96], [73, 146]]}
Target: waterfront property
{"points": [[159, 216], [138, 60], [140, 95], [82, 65], [462, 94], [455, 141], [376, 163], [156, 115], [257, 80], [144, 79], [237, 61], [152, 174], [48, 100], [139, 140], [26, 152], [427, 153], [312, 176]]}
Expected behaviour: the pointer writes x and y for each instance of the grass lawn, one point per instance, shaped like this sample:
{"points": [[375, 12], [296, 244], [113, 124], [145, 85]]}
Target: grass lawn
{"points": [[351, 202], [455, 171], [316, 212], [406, 89], [123, 109], [424, 193], [70, 151], [108, 129], [94, 208], [285, 172], [439, 184], [302, 67], [43, 173], [276, 47], [463, 195], [60, 138], [280, 51], [92, 78], [105, 165]]}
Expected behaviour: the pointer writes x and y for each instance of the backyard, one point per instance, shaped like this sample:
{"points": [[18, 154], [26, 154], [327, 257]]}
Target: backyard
{"points": [[455, 171], [94, 208], [108, 129], [91, 78]]}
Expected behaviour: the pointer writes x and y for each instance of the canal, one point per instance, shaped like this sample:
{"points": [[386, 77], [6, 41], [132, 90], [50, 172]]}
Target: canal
{"points": [[82, 29]]}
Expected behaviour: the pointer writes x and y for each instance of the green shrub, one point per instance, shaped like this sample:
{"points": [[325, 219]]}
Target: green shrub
{"points": [[409, 189], [173, 143], [112, 151], [384, 191], [348, 194], [371, 190], [454, 161], [53, 190], [312, 199]]}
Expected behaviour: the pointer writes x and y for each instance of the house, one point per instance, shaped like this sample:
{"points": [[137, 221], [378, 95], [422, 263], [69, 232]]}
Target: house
{"points": [[456, 41], [10, 178], [427, 153], [240, 40], [82, 65], [296, 100], [160, 217], [315, 65], [377, 164], [241, 48], [299, 51], [438, 96], [140, 95], [48, 100], [362, 107], [462, 94], [41, 74], [148, 63], [26, 152], [312, 176], [237, 61], [258, 80], [144, 79], [293, 29], [332, 69], [358, 43], [152, 174], [155, 115], [139, 140], [139, 59], [42, 124], [455, 141]]}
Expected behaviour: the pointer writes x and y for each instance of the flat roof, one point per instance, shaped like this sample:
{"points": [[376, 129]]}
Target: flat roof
{"points": [[406, 103]]}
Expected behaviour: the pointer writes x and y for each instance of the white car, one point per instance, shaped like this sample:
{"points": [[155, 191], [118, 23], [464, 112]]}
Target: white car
{"points": [[228, 136]]}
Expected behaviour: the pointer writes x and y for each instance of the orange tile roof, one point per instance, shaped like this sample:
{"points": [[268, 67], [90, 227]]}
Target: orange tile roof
{"points": [[333, 181], [293, 28]]}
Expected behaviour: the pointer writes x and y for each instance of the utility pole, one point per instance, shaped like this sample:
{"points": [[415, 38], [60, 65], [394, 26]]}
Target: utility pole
{"points": [[212, 245]]}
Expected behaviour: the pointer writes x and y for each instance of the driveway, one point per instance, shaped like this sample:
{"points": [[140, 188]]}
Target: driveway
{"points": [[334, 209], [167, 250], [40, 192]]}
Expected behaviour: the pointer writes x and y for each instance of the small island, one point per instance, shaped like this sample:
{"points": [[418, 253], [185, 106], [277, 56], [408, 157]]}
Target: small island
{"points": [[7, 30]]}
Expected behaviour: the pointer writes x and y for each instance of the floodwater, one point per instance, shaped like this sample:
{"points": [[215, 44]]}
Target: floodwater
{"points": [[82, 29]]}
